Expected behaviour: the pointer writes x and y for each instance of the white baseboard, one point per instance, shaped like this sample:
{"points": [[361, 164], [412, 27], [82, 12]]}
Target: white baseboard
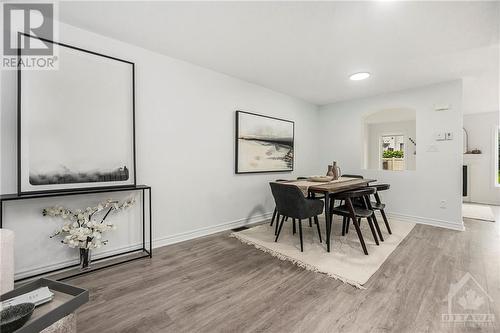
{"points": [[61, 265], [158, 242], [181, 237], [163, 241], [427, 221], [485, 202]]}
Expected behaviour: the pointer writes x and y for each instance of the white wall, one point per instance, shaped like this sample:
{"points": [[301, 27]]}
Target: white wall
{"points": [[376, 131], [416, 194], [185, 150], [481, 129]]}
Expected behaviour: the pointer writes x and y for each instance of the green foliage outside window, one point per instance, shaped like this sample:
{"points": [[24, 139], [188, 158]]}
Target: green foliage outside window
{"points": [[393, 153]]}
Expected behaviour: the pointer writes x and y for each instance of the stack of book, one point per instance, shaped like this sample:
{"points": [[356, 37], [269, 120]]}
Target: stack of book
{"points": [[38, 297]]}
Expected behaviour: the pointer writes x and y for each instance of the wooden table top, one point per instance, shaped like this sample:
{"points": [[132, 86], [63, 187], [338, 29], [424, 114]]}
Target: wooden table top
{"points": [[339, 185]]}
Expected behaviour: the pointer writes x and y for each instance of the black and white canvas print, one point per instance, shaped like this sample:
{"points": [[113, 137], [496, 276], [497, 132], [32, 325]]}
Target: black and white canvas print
{"points": [[77, 124], [263, 144]]}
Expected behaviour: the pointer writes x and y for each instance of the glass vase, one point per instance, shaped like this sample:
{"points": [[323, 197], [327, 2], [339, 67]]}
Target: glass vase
{"points": [[85, 259]]}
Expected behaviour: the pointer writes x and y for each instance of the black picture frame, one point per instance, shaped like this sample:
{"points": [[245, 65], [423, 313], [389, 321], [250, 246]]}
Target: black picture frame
{"points": [[237, 149], [20, 191]]}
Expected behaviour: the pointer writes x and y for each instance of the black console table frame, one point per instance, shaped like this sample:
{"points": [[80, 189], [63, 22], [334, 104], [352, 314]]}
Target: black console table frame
{"points": [[145, 253]]}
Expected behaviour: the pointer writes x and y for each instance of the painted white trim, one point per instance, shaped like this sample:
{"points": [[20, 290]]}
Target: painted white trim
{"points": [[197, 233], [65, 263], [158, 242], [427, 221], [494, 156]]}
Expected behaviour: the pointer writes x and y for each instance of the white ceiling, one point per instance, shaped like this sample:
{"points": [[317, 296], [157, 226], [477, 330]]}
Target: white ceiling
{"points": [[308, 49]]}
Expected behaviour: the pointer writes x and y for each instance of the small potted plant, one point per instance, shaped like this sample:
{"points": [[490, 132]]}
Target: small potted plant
{"points": [[84, 228]]}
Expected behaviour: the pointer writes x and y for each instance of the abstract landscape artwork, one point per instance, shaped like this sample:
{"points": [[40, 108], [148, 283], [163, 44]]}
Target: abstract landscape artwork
{"points": [[77, 124], [263, 144]]}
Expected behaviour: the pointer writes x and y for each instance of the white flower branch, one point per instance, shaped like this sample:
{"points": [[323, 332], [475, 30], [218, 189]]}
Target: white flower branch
{"points": [[82, 229]]}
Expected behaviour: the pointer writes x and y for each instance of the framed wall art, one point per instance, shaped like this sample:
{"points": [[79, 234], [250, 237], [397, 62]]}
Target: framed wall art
{"points": [[76, 124], [263, 144]]}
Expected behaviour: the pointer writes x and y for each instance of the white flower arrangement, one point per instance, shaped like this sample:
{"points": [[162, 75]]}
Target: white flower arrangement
{"points": [[82, 229]]}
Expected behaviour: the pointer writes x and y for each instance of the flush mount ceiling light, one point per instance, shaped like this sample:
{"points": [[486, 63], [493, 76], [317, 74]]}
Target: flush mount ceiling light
{"points": [[359, 76]]}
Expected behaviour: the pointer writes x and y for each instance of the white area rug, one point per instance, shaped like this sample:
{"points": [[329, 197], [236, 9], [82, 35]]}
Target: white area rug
{"points": [[478, 212], [345, 262]]}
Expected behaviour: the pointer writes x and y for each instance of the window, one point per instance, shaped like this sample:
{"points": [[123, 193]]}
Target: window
{"points": [[393, 156], [389, 141]]}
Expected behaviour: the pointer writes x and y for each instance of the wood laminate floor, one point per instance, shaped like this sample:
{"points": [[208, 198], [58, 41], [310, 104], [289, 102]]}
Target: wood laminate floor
{"points": [[217, 284]]}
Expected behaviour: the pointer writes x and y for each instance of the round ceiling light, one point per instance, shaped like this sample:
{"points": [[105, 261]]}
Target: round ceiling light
{"points": [[359, 76]]}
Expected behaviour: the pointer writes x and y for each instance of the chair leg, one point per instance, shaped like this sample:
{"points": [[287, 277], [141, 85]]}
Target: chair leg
{"points": [[356, 225], [348, 222], [370, 223], [277, 224], [294, 228], [300, 233], [360, 236], [377, 227], [279, 229], [319, 230], [386, 222], [343, 225], [310, 222], [274, 216]]}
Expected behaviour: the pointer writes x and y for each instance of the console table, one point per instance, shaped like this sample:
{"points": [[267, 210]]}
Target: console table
{"points": [[104, 262]]}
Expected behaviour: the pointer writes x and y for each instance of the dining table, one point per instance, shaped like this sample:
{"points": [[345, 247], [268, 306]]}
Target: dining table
{"points": [[329, 189]]}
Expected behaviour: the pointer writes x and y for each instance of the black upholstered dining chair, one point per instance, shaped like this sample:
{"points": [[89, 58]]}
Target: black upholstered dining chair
{"points": [[290, 202], [311, 196], [276, 215], [356, 213]]}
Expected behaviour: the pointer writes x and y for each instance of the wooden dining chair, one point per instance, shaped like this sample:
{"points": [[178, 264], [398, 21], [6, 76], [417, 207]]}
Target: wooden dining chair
{"points": [[375, 205], [353, 176], [364, 203], [378, 205], [290, 202], [344, 219], [356, 213]]}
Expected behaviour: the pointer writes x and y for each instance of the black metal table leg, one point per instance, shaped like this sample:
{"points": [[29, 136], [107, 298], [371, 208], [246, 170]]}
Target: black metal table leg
{"points": [[150, 226], [143, 208], [145, 252]]}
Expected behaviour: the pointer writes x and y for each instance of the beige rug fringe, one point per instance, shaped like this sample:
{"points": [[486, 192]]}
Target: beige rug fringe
{"points": [[299, 263]]}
